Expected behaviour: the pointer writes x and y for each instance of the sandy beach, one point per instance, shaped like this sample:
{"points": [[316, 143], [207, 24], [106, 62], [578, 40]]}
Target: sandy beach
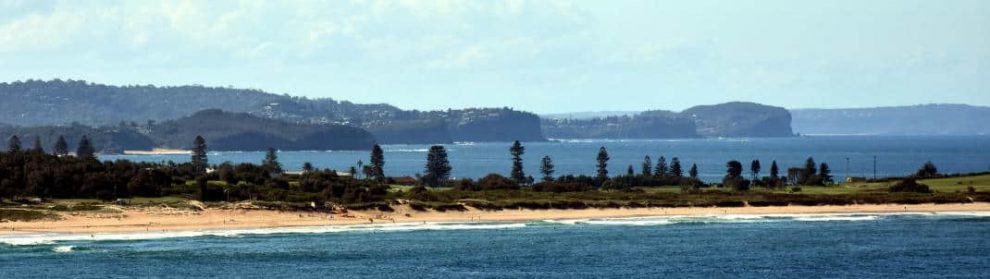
{"points": [[159, 219]]}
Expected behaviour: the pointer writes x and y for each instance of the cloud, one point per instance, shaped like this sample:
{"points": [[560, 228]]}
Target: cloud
{"points": [[402, 33]]}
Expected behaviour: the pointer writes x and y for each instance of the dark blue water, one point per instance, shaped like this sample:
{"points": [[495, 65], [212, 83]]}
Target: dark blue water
{"points": [[890, 246], [897, 155]]}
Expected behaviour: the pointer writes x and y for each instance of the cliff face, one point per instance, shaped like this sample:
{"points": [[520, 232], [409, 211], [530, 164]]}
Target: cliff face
{"points": [[741, 119], [481, 125]]}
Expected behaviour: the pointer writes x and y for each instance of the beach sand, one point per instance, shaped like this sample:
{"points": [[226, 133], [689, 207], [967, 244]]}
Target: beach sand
{"points": [[164, 219]]}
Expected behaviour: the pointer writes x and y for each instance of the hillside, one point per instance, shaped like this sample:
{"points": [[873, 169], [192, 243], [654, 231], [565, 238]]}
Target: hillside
{"points": [[646, 125], [940, 119], [57, 102], [735, 119], [740, 119], [226, 131], [223, 131]]}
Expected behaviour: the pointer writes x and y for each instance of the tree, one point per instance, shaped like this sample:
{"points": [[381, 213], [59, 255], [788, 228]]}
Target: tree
{"points": [[437, 166], [37, 145], [546, 168], [825, 173], [602, 164], [630, 171], [675, 167], [733, 177], [734, 168], [774, 170], [378, 163], [928, 170], [199, 160], [754, 168], [85, 149], [647, 166], [271, 163], [694, 171], [661, 169], [307, 167], [809, 172], [517, 151], [14, 144], [61, 146]]}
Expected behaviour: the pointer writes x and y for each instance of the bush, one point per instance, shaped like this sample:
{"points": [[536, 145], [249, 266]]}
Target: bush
{"points": [[909, 185], [736, 182], [795, 189], [497, 182], [561, 187]]}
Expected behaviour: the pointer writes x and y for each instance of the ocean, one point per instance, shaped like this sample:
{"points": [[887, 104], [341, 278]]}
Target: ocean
{"points": [[895, 155], [906, 245]]}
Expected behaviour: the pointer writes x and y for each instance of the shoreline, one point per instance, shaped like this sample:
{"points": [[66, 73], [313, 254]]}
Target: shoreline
{"points": [[166, 219]]}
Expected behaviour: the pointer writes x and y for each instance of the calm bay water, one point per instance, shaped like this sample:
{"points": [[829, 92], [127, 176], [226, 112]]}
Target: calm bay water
{"points": [[788, 246], [896, 155]]}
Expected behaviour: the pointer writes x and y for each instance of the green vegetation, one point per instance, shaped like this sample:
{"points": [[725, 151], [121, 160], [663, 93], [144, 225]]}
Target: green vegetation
{"points": [[72, 183], [16, 215]]}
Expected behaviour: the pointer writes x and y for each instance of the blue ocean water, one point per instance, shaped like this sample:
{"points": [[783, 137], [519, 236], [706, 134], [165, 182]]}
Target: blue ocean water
{"points": [[896, 155], [747, 246]]}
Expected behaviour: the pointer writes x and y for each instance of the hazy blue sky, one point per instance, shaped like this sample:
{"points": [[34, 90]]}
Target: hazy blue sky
{"points": [[542, 56]]}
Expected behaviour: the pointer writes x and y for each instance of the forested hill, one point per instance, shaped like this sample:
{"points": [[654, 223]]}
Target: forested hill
{"points": [[941, 119], [59, 102], [736, 119], [223, 131]]}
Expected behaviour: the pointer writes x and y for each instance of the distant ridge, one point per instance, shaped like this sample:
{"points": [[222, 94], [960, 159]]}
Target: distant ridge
{"points": [[929, 119], [63, 102], [733, 119]]}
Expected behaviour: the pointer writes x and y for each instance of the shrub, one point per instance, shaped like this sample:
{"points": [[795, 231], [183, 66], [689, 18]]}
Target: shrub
{"points": [[561, 187], [795, 189], [497, 182], [910, 185]]}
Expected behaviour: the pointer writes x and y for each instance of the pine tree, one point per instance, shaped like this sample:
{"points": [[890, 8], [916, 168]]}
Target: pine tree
{"points": [[661, 169], [271, 162], [546, 167], [694, 171], [199, 159], [603, 158], [809, 172], [37, 145], [774, 170], [14, 144], [85, 149], [754, 168], [378, 163], [437, 166], [647, 166], [825, 173], [61, 146], [675, 167], [630, 171], [517, 150]]}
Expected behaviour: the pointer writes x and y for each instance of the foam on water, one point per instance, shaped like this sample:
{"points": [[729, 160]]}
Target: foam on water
{"points": [[63, 249], [54, 238]]}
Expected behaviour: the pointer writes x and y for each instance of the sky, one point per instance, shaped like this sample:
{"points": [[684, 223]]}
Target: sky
{"points": [[543, 56]]}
